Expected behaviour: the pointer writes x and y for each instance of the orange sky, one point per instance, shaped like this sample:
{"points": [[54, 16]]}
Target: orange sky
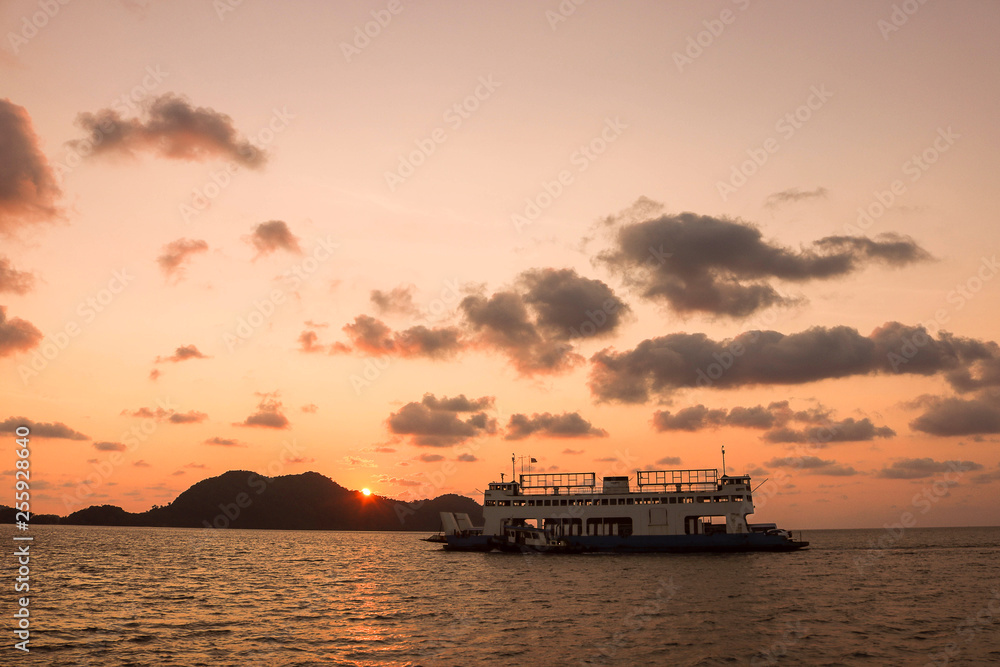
{"points": [[395, 243]]}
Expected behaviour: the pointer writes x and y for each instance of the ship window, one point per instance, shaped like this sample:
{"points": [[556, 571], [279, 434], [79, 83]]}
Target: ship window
{"points": [[629, 501], [490, 503], [621, 526], [604, 501], [546, 503], [688, 499], [563, 502], [703, 499], [738, 499]]}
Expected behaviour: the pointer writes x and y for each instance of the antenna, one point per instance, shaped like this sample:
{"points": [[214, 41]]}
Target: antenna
{"points": [[513, 473], [723, 460]]}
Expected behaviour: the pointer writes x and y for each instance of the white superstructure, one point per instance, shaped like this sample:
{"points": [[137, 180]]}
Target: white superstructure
{"points": [[664, 502]]}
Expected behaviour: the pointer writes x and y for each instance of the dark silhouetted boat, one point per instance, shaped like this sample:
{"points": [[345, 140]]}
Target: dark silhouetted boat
{"points": [[667, 511]]}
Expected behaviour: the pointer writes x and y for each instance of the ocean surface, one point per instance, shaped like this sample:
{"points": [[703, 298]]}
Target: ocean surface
{"points": [[150, 596]]}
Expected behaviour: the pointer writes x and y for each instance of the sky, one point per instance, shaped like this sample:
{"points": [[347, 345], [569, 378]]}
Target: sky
{"points": [[399, 243]]}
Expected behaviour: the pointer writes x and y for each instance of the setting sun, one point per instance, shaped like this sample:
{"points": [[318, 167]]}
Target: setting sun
{"points": [[367, 492]]}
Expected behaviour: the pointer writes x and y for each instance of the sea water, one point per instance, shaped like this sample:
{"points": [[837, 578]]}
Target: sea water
{"points": [[163, 596]]}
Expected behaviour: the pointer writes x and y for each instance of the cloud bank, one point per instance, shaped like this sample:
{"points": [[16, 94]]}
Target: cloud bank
{"points": [[702, 264], [659, 367]]}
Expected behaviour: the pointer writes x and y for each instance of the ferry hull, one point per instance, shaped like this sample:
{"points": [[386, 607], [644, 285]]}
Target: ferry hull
{"points": [[469, 543], [634, 544], [685, 543]]}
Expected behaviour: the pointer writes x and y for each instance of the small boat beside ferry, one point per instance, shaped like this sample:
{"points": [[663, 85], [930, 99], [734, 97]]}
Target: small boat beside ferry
{"points": [[666, 511]]}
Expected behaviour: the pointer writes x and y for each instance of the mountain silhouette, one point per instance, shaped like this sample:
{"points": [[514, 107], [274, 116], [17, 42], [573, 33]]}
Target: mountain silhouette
{"points": [[307, 501]]}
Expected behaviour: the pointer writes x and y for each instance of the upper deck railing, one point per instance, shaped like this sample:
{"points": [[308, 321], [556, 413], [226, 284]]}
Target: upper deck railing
{"points": [[649, 481], [562, 480], [678, 480]]}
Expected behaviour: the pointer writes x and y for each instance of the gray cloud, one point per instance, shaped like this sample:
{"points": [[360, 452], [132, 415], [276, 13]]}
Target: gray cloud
{"points": [[177, 254], [373, 337], [503, 322], [308, 342], [774, 417], [845, 430], [110, 446], [568, 305], [697, 263], [755, 417], [694, 418], [28, 188], [534, 322], [987, 477], [268, 415], [190, 417], [55, 430], [660, 366], [925, 467], [169, 127], [437, 422], [17, 335], [163, 415], [565, 425], [267, 237], [183, 353], [224, 442], [959, 416], [791, 195], [14, 281], [398, 301], [813, 465]]}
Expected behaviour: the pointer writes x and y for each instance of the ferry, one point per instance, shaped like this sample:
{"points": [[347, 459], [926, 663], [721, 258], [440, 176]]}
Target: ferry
{"points": [[666, 511]]}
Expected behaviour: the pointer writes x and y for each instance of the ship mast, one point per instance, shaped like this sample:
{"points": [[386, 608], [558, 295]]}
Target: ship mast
{"points": [[723, 460]]}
